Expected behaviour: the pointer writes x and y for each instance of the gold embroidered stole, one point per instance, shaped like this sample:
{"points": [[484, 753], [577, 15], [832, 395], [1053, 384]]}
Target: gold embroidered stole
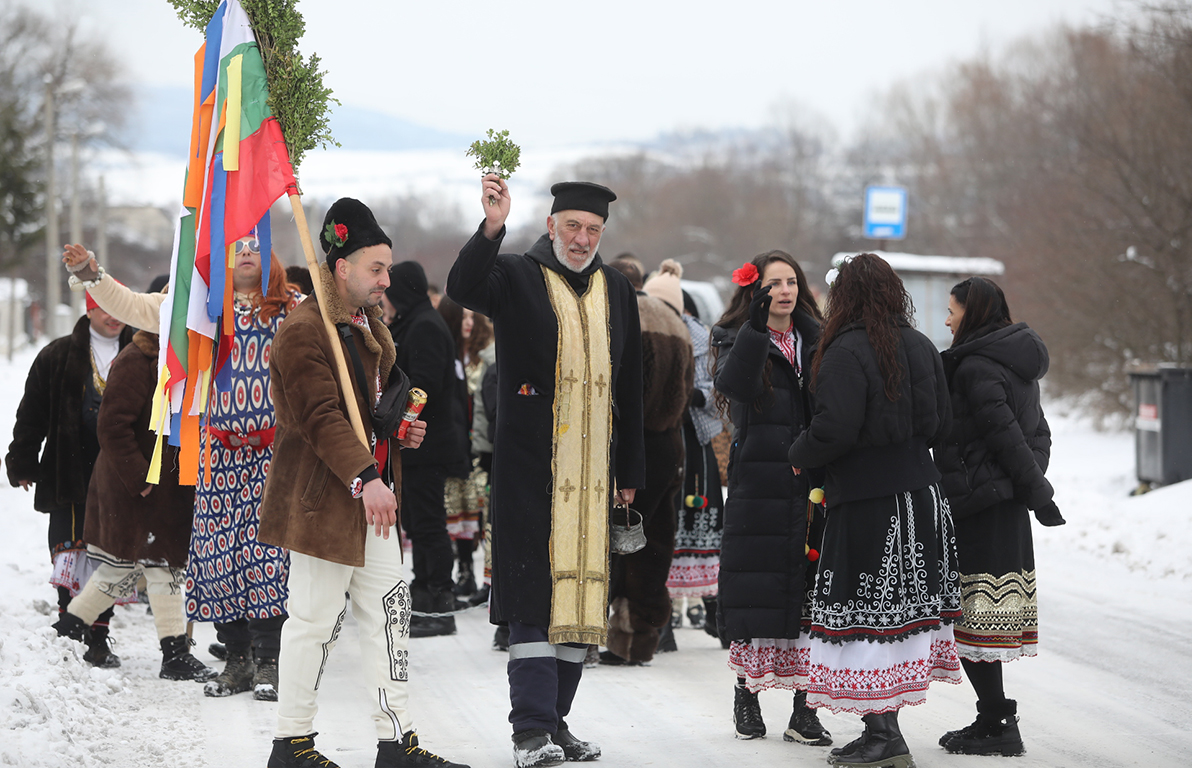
{"points": [[583, 423]]}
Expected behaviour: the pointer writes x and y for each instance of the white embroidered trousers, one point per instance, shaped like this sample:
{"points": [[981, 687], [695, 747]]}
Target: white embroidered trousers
{"points": [[380, 598]]}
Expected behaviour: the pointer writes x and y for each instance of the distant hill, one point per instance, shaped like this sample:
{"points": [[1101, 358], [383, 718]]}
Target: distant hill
{"points": [[160, 121]]}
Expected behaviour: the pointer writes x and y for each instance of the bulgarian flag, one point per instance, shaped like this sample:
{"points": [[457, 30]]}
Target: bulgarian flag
{"points": [[238, 167]]}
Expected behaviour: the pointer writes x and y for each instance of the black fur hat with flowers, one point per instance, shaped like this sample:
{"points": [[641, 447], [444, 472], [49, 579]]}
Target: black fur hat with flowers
{"points": [[349, 226]]}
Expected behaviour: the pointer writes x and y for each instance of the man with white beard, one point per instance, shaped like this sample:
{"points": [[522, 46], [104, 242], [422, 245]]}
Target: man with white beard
{"points": [[568, 442]]}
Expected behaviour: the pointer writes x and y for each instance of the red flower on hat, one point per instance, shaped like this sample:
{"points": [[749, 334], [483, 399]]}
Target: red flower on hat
{"points": [[336, 234], [746, 275]]}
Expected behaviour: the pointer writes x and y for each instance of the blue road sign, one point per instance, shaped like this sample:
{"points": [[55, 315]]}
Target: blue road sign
{"points": [[885, 213]]}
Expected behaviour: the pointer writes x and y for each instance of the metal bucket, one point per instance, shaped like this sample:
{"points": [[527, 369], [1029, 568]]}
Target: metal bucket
{"points": [[625, 537]]}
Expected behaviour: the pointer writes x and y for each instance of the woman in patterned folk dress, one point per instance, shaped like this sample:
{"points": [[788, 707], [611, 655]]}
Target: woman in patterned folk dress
{"points": [[695, 568], [232, 579], [888, 589], [992, 465], [762, 350]]}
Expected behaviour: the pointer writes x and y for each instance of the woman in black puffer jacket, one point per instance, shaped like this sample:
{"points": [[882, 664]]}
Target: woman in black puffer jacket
{"points": [[992, 464], [761, 348], [888, 589]]}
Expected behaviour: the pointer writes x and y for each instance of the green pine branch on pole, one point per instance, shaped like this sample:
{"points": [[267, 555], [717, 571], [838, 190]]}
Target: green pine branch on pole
{"points": [[297, 96]]}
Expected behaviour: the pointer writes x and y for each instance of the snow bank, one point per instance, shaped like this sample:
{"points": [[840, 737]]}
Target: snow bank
{"points": [[1093, 473]]}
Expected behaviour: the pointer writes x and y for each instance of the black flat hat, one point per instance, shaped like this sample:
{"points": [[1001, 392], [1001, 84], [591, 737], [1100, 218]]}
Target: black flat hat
{"points": [[349, 226], [582, 196]]}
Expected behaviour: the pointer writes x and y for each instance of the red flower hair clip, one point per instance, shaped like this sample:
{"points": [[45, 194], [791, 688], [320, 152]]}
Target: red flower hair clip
{"points": [[746, 275]]}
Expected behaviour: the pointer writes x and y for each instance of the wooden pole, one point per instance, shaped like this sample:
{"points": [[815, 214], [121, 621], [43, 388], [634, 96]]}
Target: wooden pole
{"points": [[345, 381]]}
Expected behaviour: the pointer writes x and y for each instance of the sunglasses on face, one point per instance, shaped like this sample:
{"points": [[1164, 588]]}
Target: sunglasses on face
{"points": [[253, 245]]}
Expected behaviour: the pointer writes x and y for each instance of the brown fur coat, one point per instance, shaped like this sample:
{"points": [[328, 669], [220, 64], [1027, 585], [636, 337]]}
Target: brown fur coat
{"points": [[153, 529], [308, 505]]}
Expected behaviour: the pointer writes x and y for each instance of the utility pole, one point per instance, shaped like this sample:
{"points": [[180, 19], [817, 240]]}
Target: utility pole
{"points": [[53, 288]]}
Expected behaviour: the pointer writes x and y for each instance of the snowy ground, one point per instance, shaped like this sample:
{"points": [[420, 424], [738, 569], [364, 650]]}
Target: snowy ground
{"points": [[1112, 685]]}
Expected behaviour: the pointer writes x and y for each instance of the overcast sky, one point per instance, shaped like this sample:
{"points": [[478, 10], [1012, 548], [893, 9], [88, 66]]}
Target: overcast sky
{"points": [[561, 73]]}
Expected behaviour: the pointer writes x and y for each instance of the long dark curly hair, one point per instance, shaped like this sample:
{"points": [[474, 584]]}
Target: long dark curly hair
{"points": [[737, 313], [867, 290]]}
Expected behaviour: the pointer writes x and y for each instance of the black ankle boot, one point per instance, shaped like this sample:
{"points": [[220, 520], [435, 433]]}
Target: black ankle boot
{"points": [[747, 714], [430, 626], [407, 754], [99, 651], [995, 731], [574, 750], [298, 752], [882, 745], [177, 662], [465, 579], [805, 725]]}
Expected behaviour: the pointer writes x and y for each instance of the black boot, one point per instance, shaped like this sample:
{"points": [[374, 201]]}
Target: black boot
{"points": [[99, 651], [805, 725], [536, 749], [882, 747], [747, 714], [264, 682], [465, 579], [666, 640], [481, 596], [574, 750], [236, 677], [407, 754], [995, 732], [851, 747], [218, 650], [69, 625], [439, 603], [298, 752], [710, 616], [177, 662]]}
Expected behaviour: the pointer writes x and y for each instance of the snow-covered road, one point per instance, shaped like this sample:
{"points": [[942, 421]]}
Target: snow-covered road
{"points": [[1112, 685]]}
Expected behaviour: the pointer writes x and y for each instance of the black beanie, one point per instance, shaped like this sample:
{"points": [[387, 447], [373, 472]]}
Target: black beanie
{"points": [[349, 226]]}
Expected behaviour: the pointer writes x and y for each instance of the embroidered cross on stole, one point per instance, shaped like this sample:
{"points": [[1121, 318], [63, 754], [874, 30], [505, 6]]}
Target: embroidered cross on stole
{"points": [[583, 423]]}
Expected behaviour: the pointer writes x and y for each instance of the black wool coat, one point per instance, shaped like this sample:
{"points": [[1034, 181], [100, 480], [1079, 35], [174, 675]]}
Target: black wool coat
{"points": [[871, 446], [763, 561], [51, 411], [1000, 443], [511, 289], [426, 352]]}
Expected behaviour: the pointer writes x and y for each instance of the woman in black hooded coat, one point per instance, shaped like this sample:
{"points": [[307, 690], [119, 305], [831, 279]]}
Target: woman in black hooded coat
{"points": [[761, 348], [992, 465]]}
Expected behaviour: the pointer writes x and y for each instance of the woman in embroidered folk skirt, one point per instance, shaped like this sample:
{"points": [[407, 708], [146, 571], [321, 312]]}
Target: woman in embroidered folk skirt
{"points": [[888, 589], [992, 464], [762, 346], [695, 567]]}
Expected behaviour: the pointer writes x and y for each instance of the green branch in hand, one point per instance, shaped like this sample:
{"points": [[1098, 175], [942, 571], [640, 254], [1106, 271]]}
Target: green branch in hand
{"points": [[498, 155]]}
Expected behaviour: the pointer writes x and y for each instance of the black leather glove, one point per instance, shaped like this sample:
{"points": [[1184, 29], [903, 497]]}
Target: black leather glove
{"points": [[697, 398], [759, 309], [1049, 514]]}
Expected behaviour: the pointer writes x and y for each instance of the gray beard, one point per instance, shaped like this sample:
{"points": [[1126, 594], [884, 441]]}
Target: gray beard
{"points": [[561, 255]]}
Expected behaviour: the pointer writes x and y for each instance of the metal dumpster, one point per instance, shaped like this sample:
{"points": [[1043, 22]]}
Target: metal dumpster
{"points": [[1163, 423]]}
